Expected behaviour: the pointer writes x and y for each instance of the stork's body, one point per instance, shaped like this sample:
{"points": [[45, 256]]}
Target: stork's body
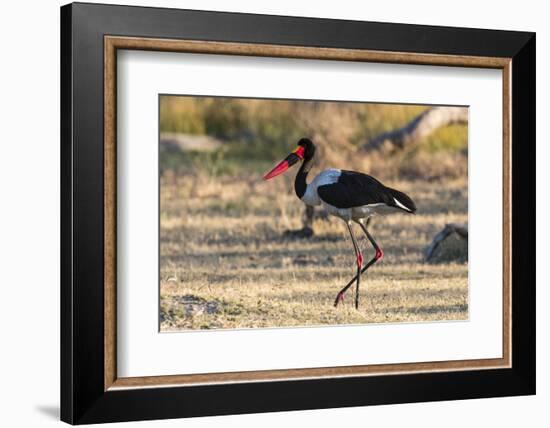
{"points": [[351, 196]]}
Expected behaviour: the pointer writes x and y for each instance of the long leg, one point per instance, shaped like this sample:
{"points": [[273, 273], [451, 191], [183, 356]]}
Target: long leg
{"points": [[378, 251], [359, 259], [378, 255]]}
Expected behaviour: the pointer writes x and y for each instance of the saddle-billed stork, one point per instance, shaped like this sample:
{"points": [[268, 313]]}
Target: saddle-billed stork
{"points": [[349, 195]]}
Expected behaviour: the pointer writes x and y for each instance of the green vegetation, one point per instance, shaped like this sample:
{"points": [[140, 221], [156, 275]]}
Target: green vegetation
{"points": [[255, 132], [452, 139]]}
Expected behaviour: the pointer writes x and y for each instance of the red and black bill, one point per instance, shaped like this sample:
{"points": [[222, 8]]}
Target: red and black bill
{"points": [[291, 159]]}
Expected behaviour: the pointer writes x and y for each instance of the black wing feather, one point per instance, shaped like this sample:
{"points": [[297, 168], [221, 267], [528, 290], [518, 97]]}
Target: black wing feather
{"points": [[354, 189]]}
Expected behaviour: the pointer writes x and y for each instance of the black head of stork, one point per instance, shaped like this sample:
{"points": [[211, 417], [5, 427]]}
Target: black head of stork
{"points": [[304, 151]]}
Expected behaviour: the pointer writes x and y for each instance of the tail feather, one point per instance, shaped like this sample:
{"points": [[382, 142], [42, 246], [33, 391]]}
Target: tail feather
{"points": [[403, 201]]}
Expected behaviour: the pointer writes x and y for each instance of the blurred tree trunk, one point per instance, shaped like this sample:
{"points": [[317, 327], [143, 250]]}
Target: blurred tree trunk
{"points": [[310, 213], [419, 128]]}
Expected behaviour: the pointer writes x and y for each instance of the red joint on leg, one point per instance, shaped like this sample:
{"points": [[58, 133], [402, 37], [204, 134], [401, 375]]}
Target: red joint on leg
{"points": [[360, 260], [379, 254]]}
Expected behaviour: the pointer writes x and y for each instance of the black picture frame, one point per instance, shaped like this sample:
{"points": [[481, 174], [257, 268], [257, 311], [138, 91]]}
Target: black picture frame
{"points": [[83, 398]]}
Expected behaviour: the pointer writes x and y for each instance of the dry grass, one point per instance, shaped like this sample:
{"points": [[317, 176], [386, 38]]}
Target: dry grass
{"points": [[226, 264]]}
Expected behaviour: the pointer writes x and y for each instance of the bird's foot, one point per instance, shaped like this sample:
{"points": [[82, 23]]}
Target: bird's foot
{"points": [[339, 298]]}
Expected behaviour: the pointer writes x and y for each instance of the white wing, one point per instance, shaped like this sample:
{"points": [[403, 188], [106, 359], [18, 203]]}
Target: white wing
{"points": [[328, 176]]}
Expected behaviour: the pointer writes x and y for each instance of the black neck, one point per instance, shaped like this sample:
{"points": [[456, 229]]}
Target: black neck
{"points": [[300, 183]]}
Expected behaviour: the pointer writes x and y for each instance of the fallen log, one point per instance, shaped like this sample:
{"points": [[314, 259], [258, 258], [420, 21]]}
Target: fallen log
{"points": [[420, 127], [448, 230]]}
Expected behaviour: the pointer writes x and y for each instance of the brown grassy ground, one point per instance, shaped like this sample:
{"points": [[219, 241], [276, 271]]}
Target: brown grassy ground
{"points": [[226, 264]]}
